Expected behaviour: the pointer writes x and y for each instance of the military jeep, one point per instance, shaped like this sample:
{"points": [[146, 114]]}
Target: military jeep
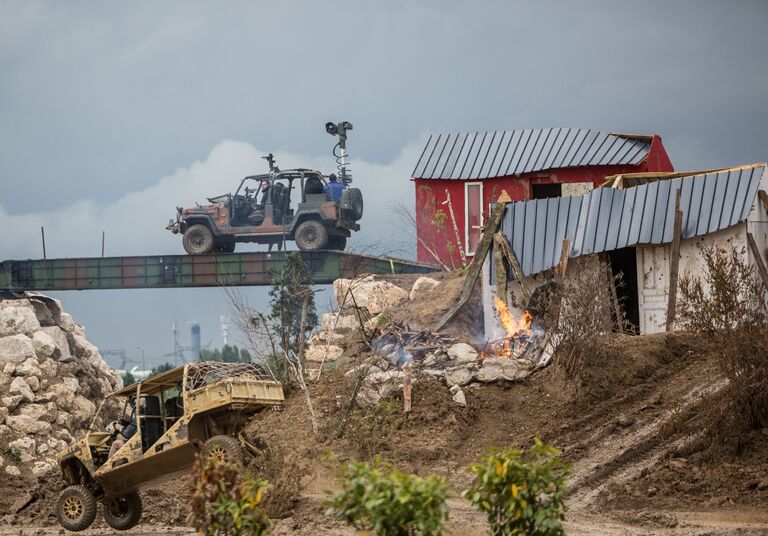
{"points": [[264, 215], [199, 407]]}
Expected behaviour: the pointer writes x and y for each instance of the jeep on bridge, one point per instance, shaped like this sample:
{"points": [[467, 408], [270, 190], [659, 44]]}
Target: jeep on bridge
{"points": [[177, 414], [260, 211]]}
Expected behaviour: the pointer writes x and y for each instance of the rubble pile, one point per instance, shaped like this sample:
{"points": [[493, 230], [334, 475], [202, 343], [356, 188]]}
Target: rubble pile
{"points": [[368, 304], [51, 379]]}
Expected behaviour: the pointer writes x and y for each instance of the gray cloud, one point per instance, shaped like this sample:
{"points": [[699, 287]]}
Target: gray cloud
{"points": [[107, 107]]}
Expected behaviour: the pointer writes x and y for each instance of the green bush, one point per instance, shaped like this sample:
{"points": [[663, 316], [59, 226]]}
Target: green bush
{"points": [[521, 491], [379, 498], [225, 502]]}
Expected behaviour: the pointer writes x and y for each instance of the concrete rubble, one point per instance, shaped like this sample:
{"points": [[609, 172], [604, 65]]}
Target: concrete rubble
{"points": [[51, 377]]}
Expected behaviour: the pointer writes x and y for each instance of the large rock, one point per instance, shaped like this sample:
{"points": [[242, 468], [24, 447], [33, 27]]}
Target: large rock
{"points": [[15, 320], [323, 353], [43, 343], [83, 410], [458, 396], [59, 337], [338, 323], [20, 387], [489, 372], [367, 397], [368, 293], [462, 353], [30, 367], [458, 376], [16, 348], [24, 424], [422, 285], [515, 369]]}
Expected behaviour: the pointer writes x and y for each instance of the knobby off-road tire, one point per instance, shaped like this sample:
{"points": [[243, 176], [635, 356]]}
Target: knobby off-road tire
{"points": [[76, 508], [224, 448], [198, 240], [311, 235], [225, 247], [123, 512]]}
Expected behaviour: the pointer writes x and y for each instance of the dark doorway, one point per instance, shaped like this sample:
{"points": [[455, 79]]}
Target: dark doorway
{"points": [[624, 262], [545, 191]]}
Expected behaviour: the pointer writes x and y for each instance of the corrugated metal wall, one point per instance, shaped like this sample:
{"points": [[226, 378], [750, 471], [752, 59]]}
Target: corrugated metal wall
{"points": [[606, 219]]}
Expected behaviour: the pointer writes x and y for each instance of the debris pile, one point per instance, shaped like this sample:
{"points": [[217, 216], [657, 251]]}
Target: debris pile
{"points": [[51, 379]]}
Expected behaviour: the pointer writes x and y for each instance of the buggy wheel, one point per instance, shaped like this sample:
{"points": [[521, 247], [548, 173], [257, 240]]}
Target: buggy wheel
{"points": [[122, 513], [76, 508], [198, 240], [223, 448], [311, 235]]}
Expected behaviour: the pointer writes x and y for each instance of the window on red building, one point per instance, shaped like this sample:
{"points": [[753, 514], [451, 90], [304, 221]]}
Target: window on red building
{"points": [[473, 215]]}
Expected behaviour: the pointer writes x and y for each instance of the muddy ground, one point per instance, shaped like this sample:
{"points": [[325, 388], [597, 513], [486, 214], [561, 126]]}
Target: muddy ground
{"points": [[633, 468]]}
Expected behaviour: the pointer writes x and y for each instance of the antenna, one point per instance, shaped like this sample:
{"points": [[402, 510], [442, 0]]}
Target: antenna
{"points": [[340, 130], [270, 158]]}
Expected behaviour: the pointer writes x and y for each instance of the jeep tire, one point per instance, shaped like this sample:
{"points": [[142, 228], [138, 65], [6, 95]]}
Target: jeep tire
{"points": [[122, 513], [224, 448], [198, 240], [337, 242], [311, 235], [225, 246], [76, 508]]}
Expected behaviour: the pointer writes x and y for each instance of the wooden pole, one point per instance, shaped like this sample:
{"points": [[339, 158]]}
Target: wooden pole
{"points": [[477, 263], [763, 199], [102, 244], [562, 266], [455, 229], [42, 233], [758, 259], [614, 295], [674, 263]]}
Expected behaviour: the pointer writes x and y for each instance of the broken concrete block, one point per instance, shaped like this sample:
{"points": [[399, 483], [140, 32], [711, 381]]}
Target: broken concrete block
{"points": [[462, 353], [323, 353], [370, 294], [489, 372], [368, 397], [515, 370], [458, 376], [459, 397]]}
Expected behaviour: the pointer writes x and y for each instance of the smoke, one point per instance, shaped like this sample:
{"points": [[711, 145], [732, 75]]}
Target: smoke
{"points": [[135, 223]]}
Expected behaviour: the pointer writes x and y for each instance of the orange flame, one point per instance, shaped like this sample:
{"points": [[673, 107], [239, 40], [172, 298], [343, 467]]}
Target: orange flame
{"points": [[512, 325]]}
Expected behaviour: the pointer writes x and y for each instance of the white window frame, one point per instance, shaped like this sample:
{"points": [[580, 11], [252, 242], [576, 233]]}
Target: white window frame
{"points": [[466, 215]]}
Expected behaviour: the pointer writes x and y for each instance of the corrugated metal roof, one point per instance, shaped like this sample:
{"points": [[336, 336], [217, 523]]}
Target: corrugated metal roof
{"points": [[483, 155], [611, 218]]}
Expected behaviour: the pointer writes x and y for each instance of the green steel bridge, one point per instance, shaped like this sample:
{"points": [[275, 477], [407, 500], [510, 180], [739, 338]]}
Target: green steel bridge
{"points": [[179, 271]]}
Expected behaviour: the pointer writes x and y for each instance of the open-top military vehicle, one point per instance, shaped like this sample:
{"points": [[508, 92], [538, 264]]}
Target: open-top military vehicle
{"points": [[264, 209], [177, 414]]}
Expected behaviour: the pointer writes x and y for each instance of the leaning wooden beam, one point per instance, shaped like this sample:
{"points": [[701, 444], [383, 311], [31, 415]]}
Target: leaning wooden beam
{"points": [[501, 274], [758, 259], [562, 266], [477, 263], [674, 263], [763, 199], [501, 242]]}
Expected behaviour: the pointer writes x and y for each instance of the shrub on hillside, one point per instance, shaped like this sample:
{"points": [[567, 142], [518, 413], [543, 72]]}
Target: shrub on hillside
{"points": [[728, 307], [381, 499], [521, 491], [226, 502]]}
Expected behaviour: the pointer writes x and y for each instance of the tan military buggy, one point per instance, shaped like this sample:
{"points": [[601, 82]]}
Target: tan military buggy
{"points": [[176, 413]]}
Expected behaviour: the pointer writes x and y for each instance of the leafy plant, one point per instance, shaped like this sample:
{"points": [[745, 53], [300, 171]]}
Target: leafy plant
{"points": [[521, 491], [226, 502], [379, 498], [14, 453], [439, 219]]}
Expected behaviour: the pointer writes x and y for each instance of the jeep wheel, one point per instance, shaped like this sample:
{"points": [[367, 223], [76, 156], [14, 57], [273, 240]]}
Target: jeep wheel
{"points": [[198, 240], [224, 448], [76, 508], [225, 247], [122, 513], [311, 235], [337, 242]]}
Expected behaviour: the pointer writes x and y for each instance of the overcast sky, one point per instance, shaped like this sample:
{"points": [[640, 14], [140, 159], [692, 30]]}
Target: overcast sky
{"points": [[112, 113]]}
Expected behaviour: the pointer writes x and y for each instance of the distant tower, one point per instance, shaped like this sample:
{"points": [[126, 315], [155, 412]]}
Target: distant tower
{"points": [[224, 321], [195, 342]]}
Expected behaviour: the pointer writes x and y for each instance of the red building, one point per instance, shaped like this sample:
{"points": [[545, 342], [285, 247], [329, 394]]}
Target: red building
{"points": [[458, 176]]}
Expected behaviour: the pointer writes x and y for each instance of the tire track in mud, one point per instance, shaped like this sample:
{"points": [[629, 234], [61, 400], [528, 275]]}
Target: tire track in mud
{"points": [[619, 457]]}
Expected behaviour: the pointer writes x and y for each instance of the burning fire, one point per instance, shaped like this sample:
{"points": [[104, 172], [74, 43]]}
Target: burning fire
{"points": [[511, 325], [518, 332]]}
